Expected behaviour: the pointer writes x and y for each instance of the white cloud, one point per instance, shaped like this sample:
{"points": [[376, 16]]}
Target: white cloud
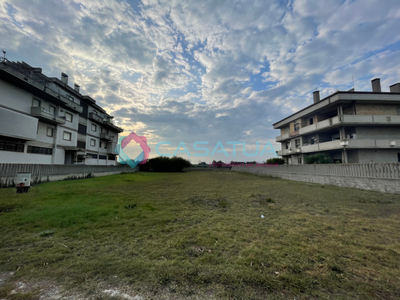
{"points": [[206, 70]]}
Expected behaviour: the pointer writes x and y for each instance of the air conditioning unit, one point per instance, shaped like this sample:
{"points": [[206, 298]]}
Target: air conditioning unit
{"points": [[392, 143], [344, 143]]}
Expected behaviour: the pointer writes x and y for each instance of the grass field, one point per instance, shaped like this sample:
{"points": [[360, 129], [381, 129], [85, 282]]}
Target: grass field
{"points": [[199, 235]]}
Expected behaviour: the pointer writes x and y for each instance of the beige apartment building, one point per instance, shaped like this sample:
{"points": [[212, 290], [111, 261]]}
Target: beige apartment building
{"points": [[349, 126]]}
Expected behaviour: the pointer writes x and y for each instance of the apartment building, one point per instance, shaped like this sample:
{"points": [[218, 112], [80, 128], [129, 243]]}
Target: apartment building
{"points": [[349, 126], [45, 121]]}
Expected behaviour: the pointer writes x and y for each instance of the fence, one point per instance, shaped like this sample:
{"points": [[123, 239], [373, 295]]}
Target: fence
{"points": [[39, 172], [384, 177]]}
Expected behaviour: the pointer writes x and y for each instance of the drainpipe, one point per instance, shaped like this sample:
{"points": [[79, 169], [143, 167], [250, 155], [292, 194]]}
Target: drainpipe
{"points": [[53, 157]]}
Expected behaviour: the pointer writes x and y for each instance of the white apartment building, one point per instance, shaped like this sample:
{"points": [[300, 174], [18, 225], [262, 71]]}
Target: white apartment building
{"points": [[349, 126], [45, 121]]}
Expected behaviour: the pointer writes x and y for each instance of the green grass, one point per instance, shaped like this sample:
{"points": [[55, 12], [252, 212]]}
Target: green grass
{"points": [[201, 233]]}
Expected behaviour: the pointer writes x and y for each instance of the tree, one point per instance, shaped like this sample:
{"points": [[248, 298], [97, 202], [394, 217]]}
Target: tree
{"points": [[166, 164], [319, 158], [276, 160]]}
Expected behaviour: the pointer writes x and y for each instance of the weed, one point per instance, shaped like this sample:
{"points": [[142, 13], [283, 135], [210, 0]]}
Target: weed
{"points": [[130, 206]]}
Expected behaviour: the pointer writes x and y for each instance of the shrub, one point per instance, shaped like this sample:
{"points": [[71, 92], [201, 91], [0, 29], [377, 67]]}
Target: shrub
{"points": [[319, 158], [276, 160], [144, 167], [166, 164]]}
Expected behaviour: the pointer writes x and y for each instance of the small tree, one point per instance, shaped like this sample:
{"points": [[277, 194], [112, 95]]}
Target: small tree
{"points": [[319, 158], [166, 164], [276, 160]]}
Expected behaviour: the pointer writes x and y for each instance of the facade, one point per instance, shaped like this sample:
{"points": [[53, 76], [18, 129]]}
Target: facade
{"points": [[45, 121], [351, 127]]}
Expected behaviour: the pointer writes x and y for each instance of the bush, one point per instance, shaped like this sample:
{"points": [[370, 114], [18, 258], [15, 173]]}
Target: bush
{"points": [[166, 164], [276, 160], [145, 167], [319, 158]]}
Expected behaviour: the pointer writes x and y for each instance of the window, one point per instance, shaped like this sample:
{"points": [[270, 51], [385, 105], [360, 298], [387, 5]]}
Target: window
{"points": [[81, 144], [299, 160], [102, 156], [11, 146], [92, 142], [36, 103], [40, 150], [52, 110], [94, 127], [112, 157], [398, 157], [82, 129], [92, 155], [100, 145], [68, 117], [398, 111], [50, 131], [297, 143], [287, 145], [67, 136], [311, 121], [296, 127]]}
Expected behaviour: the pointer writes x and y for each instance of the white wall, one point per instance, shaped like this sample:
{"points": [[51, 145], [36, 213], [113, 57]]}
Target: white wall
{"points": [[42, 133], [15, 124], [19, 157], [14, 97]]}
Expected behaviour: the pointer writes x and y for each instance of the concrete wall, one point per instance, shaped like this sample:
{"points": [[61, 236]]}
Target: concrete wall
{"points": [[376, 109], [377, 177], [8, 172], [367, 132], [14, 124], [378, 156]]}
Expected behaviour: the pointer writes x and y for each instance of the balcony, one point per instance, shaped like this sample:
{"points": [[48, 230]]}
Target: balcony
{"points": [[35, 85], [105, 136], [46, 116], [325, 124], [111, 148], [96, 118], [370, 120], [112, 126], [282, 137]]}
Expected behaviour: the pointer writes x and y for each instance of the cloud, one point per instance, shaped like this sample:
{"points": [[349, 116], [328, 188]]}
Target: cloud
{"points": [[206, 70]]}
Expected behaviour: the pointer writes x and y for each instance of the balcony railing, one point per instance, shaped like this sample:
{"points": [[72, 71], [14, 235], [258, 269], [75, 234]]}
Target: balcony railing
{"points": [[39, 84], [46, 116], [112, 126], [351, 120], [111, 148], [105, 136], [282, 137], [320, 125], [94, 117]]}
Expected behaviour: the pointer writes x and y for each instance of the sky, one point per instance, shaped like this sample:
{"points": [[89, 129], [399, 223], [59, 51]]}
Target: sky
{"points": [[215, 71]]}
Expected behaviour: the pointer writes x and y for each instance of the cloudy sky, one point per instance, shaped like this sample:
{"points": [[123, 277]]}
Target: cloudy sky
{"points": [[187, 71]]}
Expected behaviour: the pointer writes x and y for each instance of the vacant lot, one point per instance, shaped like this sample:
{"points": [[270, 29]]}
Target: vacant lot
{"points": [[198, 235]]}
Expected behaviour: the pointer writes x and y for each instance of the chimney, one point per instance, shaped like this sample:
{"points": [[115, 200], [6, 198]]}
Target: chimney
{"points": [[395, 88], [76, 87], [316, 96], [64, 78], [376, 85]]}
